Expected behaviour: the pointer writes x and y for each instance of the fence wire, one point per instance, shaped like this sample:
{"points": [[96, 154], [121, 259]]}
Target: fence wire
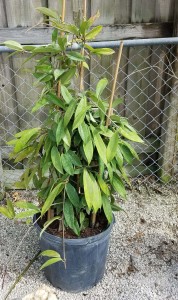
{"points": [[145, 83]]}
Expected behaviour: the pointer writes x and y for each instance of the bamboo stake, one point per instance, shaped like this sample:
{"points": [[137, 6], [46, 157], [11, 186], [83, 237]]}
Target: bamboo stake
{"points": [[51, 211], [82, 51], [114, 84]]}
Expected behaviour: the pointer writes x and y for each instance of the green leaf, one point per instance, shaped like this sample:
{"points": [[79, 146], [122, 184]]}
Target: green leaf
{"points": [[5, 212], [73, 55], [67, 164], [132, 150], [84, 132], [69, 216], [10, 208], [92, 191], [119, 158], [107, 208], [112, 147], [66, 94], [52, 195], [69, 28], [22, 155], [60, 131], [119, 186], [50, 253], [56, 159], [54, 35], [13, 45], [85, 25], [79, 118], [25, 136], [130, 135], [117, 102], [67, 138], [58, 73], [101, 86], [26, 205], [68, 75], [72, 195], [74, 158], [50, 262], [93, 33], [115, 207], [26, 214], [55, 100], [88, 150], [62, 42], [48, 12], [39, 104], [101, 147], [126, 153], [103, 185], [47, 223], [103, 51], [69, 113]]}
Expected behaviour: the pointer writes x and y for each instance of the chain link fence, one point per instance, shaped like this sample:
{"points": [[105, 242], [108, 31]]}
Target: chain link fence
{"points": [[147, 84]]}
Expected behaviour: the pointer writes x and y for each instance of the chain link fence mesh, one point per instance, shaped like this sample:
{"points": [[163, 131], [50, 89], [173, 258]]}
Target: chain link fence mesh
{"points": [[144, 82]]}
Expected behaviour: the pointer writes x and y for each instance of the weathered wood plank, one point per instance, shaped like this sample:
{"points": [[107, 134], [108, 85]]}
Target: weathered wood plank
{"points": [[23, 13], [143, 11], [3, 20], [164, 10], [168, 147], [114, 32]]}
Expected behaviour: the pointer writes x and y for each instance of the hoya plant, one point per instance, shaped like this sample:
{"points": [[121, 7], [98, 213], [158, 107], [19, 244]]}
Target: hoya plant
{"points": [[75, 159]]}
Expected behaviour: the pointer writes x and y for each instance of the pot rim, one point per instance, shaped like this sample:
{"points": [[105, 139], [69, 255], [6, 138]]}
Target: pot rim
{"points": [[77, 241]]}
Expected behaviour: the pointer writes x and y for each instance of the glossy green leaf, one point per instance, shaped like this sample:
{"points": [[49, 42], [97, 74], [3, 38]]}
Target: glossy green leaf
{"points": [[69, 28], [47, 223], [88, 150], [101, 85], [50, 262], [73, 55], [117, 101], [48, 12], [112, 147], [26, 205], [84, 132], [60, 131], [93, 33], [69, 113], [56, 159], [79, 118], [101, 147], [25, 136], [5, 212], [68, 75], [130, 135], [50, 253], [103, 185], [52, 195], [103, 51], [69, 216], [107, 208], [13, 45], [66, 94], [67, 138], [26, 214], [39, 104], [74, 158], [22, 154], [55, 100], [119, 186], [54, 35], [67, 164], [92, 191], [72, 195], [10, 207], [132, 150], [126, 153], [58, 73]]}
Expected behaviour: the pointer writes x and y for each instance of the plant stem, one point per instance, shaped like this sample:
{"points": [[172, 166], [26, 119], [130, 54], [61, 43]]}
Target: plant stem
{"points": [[22, 274], [82, 51], [93, 219], [114, 84]]}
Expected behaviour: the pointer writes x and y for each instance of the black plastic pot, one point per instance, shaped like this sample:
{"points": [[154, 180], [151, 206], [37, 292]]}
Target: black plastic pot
{"points": [[85, 260]]}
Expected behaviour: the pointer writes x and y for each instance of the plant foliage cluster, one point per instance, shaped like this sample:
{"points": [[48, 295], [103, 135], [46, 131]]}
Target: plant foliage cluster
{"points": [[74, 160]]}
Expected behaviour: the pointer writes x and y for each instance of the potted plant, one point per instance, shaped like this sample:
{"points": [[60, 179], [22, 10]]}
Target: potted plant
{"points": [[75, 159]]}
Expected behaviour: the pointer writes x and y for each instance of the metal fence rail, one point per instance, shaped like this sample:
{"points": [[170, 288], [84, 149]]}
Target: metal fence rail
{"points": [[147, 83]]}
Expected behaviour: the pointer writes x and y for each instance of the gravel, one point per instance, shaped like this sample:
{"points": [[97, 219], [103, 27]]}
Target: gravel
{"points": [[143, 256]]}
